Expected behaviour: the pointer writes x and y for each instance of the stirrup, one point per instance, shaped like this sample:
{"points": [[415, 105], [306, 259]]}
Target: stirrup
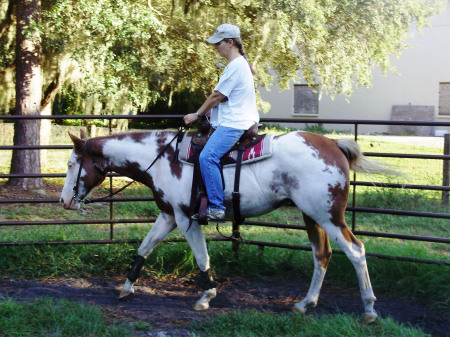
{"points": [[203, 220], [200, 218]]}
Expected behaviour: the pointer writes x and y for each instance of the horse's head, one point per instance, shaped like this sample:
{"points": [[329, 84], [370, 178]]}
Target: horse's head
{"points": [[83, 172]]}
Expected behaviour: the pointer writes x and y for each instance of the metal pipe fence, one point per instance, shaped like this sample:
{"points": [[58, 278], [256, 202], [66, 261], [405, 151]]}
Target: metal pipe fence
{"points": [[236, 237]]}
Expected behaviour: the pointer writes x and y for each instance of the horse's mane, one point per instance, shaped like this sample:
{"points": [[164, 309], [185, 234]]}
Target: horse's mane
{"points": [[133, 134]]}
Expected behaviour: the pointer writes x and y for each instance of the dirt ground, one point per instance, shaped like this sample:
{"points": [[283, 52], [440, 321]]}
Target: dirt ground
{"points": [[167, 304]]}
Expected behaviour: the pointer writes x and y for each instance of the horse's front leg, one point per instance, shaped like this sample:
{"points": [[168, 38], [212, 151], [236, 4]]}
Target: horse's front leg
{"points": [[196, 240], [164, 224]]}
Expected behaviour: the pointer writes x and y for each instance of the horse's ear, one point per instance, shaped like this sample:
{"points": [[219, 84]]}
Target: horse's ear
{"points": [[83, 134], [77, 142]]}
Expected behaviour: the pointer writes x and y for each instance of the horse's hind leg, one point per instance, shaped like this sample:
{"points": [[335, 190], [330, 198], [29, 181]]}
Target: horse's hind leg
{"points": [[354, 249], [321, 253], [163, 225]]}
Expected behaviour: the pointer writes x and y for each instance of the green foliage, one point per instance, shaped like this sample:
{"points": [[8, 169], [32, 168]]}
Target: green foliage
{"points": [[124, 55], [253, 323], [49, 317]]}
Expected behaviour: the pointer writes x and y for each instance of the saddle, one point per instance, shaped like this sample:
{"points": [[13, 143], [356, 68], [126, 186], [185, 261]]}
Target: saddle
{"points": [[256, 147], [197, 141], [205, 130]]}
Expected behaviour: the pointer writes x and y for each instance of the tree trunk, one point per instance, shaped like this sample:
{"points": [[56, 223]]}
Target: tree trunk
{"points": [[28, 95], [46, 110]]}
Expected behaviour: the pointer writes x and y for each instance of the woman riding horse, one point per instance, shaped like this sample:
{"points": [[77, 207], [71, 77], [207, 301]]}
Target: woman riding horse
{"points": [[236, 100]]}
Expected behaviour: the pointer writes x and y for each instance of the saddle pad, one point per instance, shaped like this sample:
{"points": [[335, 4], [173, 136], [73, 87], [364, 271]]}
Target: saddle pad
{"points": [[259, 151]]}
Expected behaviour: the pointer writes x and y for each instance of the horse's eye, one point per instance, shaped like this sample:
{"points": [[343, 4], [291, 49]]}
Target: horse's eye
{"points": [[69, 165]]}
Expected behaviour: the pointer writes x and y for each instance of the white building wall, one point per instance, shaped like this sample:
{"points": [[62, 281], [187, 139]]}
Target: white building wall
{"points": [[421, 68]]}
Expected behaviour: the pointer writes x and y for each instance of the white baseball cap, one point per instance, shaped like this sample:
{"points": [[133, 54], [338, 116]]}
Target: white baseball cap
{"points": [[224, 31]]}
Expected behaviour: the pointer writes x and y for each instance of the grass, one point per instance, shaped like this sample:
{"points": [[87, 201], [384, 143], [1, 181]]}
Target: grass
{"points": [[49, 317], [254, 324]]}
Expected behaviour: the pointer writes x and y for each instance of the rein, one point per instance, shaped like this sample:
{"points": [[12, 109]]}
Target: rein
{"points": [[231, 237], [88, 147]]}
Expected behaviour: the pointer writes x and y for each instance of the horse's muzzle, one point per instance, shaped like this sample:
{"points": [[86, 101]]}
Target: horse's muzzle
{"points": [[73, 205]]}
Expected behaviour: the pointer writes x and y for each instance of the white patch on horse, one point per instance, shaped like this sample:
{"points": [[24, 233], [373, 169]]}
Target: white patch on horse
{"points": [[119, 151]]}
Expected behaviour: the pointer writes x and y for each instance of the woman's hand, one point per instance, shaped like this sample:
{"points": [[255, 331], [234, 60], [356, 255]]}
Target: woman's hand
{"points": [[190, 118]]}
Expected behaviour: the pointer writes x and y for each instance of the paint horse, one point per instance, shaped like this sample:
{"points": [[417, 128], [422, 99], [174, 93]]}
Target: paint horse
{"points": [[309, 169]]}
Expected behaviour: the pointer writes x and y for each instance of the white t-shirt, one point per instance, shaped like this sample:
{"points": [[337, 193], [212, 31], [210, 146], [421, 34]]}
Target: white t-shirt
{"points": [[236, 83]]}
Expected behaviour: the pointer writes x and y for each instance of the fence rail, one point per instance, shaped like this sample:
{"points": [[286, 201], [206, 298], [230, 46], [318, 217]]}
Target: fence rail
{"points": [[445, 158]]}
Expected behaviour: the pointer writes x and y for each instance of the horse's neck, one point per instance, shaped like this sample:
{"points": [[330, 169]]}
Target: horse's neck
{"points": [[131, 154]]}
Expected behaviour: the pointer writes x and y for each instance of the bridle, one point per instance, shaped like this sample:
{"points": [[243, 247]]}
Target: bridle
{"points": [[88, 148]]}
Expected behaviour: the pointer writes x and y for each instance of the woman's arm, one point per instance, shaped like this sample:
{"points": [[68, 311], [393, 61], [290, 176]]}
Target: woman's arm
{"points": [[210, 102]]}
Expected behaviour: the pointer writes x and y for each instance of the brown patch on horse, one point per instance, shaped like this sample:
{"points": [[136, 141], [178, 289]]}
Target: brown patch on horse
{"points": [[162, 140], [161, 203], [78, 143], [97, 152], [92, 178], [327, 150], [340, 196], [185, 209], [176, 167], [350, 237], [319, 238]]}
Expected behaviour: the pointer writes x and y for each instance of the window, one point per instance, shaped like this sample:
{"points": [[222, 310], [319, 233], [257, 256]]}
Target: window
{"points": [[306, 101], [444, 99]]}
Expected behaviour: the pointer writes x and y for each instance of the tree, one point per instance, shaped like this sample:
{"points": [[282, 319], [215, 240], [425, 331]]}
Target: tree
{"points": [[28, 95], [126, 54]]}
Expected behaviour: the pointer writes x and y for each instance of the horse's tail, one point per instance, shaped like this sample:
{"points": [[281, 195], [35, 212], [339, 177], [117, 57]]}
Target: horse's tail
{"points": [[358, 162]]}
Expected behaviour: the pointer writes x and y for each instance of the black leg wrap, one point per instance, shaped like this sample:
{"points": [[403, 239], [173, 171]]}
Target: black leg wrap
{"points": [[133, 273], [207, 280]]}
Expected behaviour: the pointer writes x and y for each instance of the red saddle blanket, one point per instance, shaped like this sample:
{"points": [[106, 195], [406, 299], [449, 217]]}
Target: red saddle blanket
{"points": [[258, 151]]}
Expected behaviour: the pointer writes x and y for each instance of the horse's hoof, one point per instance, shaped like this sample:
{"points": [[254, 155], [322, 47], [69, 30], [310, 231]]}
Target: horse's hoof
{"points": [[370, 318], [201, 306], [298, 310], [125, 293]]}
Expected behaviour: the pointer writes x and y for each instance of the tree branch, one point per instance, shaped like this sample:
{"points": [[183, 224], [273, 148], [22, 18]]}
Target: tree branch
{"points": [[50, 91]]}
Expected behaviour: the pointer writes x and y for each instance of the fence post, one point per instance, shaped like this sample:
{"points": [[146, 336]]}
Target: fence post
{"points": [[354, 187], [446, 169], [236, 236], [111, 203]]}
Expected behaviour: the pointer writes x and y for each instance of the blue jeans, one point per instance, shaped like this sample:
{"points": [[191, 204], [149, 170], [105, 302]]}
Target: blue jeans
{"points": [[217, 146]]}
